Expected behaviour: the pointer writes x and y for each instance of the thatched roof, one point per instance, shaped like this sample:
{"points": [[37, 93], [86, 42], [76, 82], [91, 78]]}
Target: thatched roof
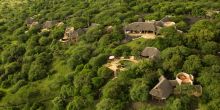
{"points": [[141, 26], [35, 25], [49, 24], [30, 20], [81, 31], [191, 19], [163, 89], [150, 52], [59, 24], [159, 23], [141, 19], [198, 90], [166, 19], [173, 82], [71, 33]]}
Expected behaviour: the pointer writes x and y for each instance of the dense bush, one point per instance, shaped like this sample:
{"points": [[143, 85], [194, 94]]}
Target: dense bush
{"points": [[37, 72], [2, 94], [139, 86]]}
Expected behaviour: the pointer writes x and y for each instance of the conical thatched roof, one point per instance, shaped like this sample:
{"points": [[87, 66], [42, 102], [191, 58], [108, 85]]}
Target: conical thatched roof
{"points": [[150, 52]]}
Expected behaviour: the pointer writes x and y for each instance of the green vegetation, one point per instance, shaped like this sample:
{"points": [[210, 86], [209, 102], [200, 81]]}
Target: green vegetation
{"points": [[37, 72]]}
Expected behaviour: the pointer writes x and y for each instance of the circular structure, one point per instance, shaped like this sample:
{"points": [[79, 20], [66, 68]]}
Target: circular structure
{"points": [[184, 78], [151, 53]]}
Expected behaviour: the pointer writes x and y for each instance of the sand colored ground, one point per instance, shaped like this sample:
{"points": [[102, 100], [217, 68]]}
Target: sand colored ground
{"points": [[146, 36], [168, 24], [114, 64]]}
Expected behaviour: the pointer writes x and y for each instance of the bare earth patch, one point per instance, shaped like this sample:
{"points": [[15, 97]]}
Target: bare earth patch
{"points": [[114, 64]]}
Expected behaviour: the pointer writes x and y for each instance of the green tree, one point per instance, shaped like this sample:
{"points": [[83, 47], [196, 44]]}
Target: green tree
{"points": [[83, 82], [116, 89], [37, 106], [13, 53], [99, 60], [57, 33], [43, 41], [172, 37], [182, 26], [97, 82], [58, 103], [37, 71], [213, 105], [105, 72], [11, 68], [176, 105], [192, 64], [67, 91], [78, 103], [174, 63], [93, 34], [139, 90], [173, 57], [80, 55], [122, 50], [201, 32], [110, 104], [210, 48], [2, 94], [210, 60]]}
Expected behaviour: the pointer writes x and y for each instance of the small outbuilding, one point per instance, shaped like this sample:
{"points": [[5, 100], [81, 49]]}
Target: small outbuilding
{"points": [[72, 35], [151, 53], [59, 24], [29, 21], [49, 24], [69, 35], [35, 25]]}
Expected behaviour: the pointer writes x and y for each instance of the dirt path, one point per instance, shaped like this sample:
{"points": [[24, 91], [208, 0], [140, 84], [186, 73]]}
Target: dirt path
{"points": [[114, 65]]}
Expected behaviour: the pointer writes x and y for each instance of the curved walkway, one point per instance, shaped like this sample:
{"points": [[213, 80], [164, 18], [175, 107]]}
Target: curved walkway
{"points": [[114, 64]]}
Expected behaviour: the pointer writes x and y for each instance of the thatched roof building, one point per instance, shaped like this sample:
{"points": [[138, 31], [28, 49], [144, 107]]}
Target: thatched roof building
{"points": [[162, 90], [34, 25], [166, 19], [59, 24], [72, 35], [137, 29], [142, 27], [165, 87], [191, 20], [150, 52], [49, 24], [29, 21]]}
